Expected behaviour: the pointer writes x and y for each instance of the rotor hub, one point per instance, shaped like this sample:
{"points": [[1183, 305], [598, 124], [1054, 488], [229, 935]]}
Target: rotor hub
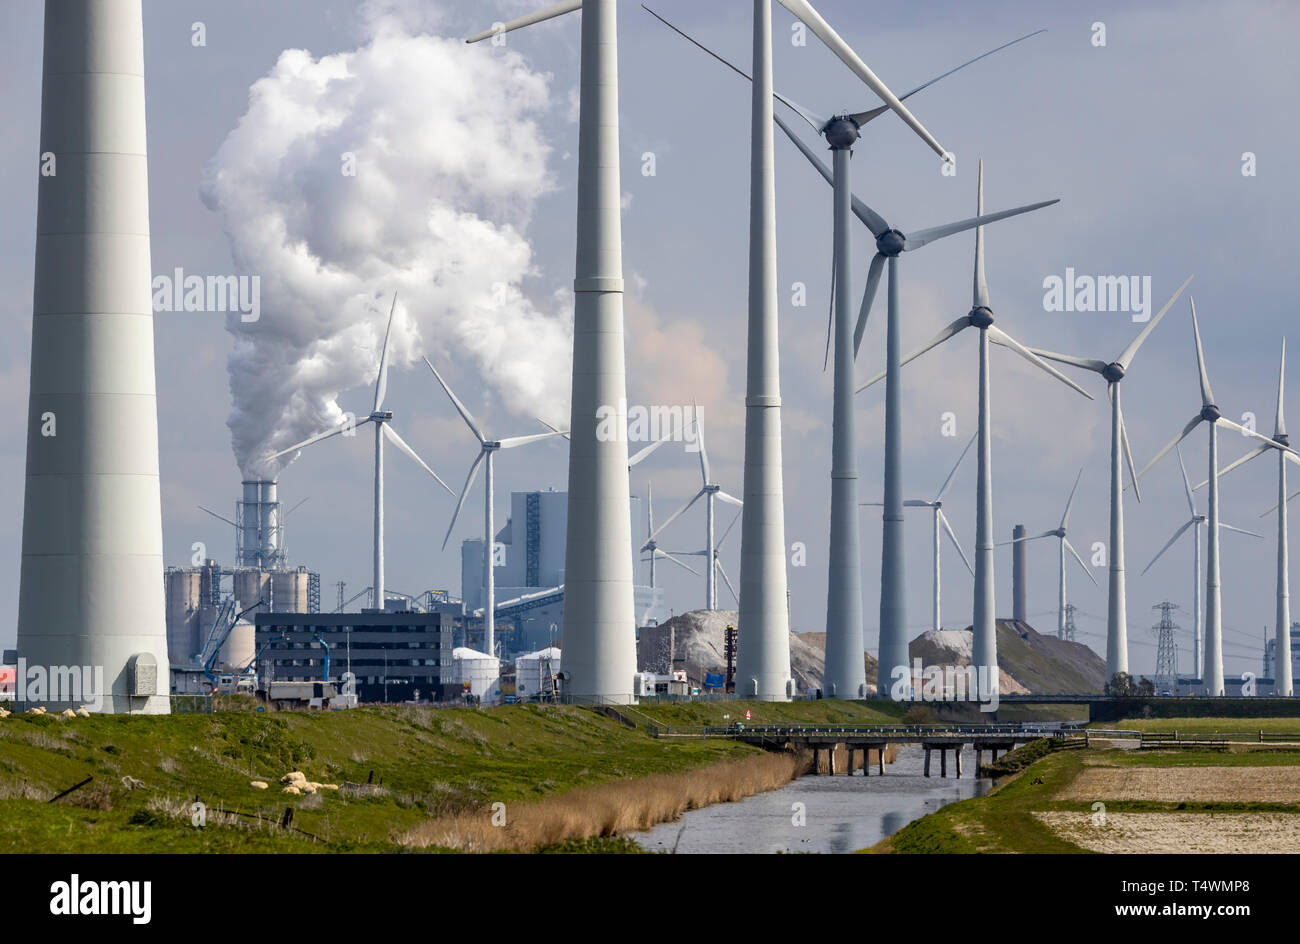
{"points": [[1282, 439], [981, 317], [1113, 373], [381, 416], [891, 243], [842, 132], [1211, 413]]}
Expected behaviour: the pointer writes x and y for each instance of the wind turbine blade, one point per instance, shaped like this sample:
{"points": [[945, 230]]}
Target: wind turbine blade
{"points": [[868, 296], [1128, 452], [1006, 340], [730, 499], [955, 328], [680, 563], [1187, 485], [645, 453], [675, 515], [1207, 395], [943, 520], [650, 507], [1027, 537], [1228, 527], [226, 520], [1086, 569], [1274, 507], [318, 437], [1065, 518], [813, 20], [400, 443], [1257, 451], [515, 441], [469, 480], [815, 121], [1279, 425], [907, 95], [381, 381], [869, 217], [910, 503], [528, 19], [699, 441], [460, 407], [722, 539], [1244, 431], [297, 506], [1194, 422], [980, 292], [1126, 358], [554, 429], [919, 239], [957, 465], [1087, 363], [1168, 544], [727, 581]]}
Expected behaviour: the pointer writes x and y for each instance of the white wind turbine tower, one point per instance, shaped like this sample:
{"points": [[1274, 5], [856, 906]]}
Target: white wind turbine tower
{"points": [[383, 429], [1059, 532], [1211, 415], [488, 448], [1120, 452], [1194, 522], [762, 444], [940, 525], [981, 317], [710, 491], [599, 609], [656, 553], [1282, 444]]}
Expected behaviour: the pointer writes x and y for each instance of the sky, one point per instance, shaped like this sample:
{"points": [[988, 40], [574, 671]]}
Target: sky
{"points": [[1142, 139]]}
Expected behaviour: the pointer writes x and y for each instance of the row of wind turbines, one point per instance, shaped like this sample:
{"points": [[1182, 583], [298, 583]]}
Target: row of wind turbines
{"points": [[599, 614]]}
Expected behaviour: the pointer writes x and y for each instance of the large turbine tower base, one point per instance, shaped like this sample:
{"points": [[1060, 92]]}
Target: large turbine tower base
{"points": [[91, 598], [599, 610]]}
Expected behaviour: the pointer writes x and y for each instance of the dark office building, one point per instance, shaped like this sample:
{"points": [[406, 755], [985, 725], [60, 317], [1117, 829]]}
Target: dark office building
{"points": [[393, 655]]}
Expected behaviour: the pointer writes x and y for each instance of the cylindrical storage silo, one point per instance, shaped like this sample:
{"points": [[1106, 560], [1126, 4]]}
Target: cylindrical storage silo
{"points": [[535, 673], [239, 648], [480, 671], [184, 588], [250, 586], [289, 591]]}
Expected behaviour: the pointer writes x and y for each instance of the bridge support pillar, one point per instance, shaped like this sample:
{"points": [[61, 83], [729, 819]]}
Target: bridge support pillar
{"points": [[852, 758], [927, 760], [880, 759], [956, 753], [979, 757], [943, 762]]}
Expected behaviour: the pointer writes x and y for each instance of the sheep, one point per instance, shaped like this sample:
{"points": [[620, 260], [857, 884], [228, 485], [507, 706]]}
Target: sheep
{"points": [[67, 713], [4, 714], [292, 790], [259, 784], [328, 786], [294, 776], [82, 712], [38, 710]]}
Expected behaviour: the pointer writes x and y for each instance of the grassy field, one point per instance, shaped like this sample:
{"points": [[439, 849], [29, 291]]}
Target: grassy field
{"points": [[1015, 817], [1206, 725], [423, 763]]}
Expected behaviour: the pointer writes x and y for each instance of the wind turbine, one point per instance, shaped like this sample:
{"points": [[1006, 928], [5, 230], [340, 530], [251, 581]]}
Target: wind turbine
{"points": [[844, 604], [1059, 532], [983, 623], [1213, 418], [1114, 372], [488, 448], [710, 491], [716, 557], [1282, 444], [383, 420], [653, 546], [1194, 522], [599, 608], [940, 524]]}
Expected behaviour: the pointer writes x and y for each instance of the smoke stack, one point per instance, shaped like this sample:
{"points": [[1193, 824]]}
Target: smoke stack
{"points": [[1018, 573], [92, 514]]}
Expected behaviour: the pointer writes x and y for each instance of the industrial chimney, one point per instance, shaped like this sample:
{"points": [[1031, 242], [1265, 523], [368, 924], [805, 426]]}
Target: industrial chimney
{"points": [[91, 593], [1019, 559]]}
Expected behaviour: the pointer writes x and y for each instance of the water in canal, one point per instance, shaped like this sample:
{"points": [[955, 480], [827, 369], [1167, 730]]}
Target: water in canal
{"points": [[839, 814]]}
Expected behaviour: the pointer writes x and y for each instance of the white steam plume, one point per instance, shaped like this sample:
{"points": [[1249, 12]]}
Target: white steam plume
{"points": [[448, 163]]}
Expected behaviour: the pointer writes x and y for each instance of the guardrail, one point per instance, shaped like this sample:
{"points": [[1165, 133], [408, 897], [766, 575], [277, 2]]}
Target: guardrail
{"points": [[1202, 738], [860, 731]]}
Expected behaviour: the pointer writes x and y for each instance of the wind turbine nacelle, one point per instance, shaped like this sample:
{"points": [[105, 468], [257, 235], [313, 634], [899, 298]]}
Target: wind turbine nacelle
{"points": [[1211, 413], [891, 243], [382, 416], [981, 317], [841, 133], [1113, 373]]}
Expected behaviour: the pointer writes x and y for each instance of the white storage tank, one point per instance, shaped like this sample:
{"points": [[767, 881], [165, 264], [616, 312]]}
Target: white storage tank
{"points": [[239, 648], [480, 671], [535, 672]]}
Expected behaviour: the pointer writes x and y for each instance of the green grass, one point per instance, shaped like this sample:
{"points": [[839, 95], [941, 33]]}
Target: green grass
{"points": [[428, 762], [1206, 725], [821, 711], [1003, 820]]}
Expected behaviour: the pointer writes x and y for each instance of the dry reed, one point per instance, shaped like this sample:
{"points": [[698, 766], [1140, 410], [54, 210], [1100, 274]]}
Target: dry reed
{"points": [[609, 809]]}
